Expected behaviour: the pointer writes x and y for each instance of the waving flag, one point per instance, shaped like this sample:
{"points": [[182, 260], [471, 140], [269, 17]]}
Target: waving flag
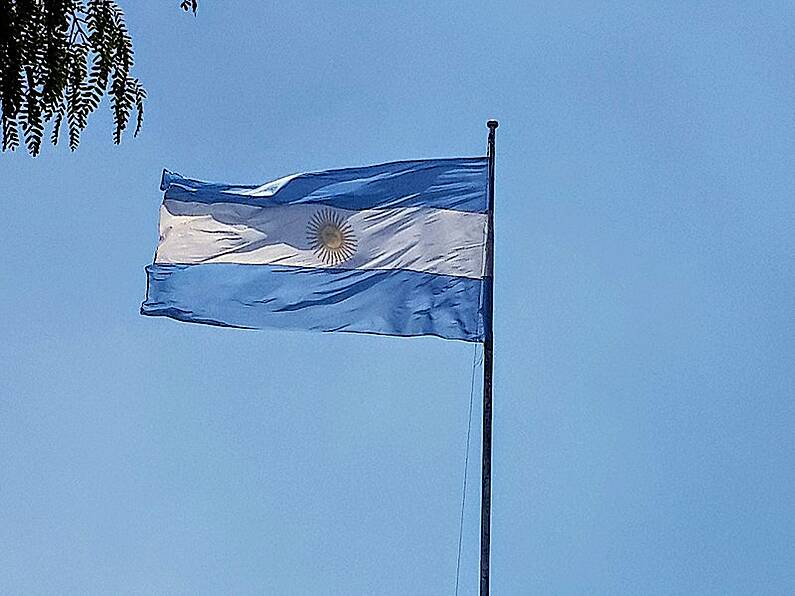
{"points": [[391, 249]]}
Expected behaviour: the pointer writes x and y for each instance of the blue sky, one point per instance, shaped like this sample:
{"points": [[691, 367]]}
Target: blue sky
{"points": [[645, 338]]}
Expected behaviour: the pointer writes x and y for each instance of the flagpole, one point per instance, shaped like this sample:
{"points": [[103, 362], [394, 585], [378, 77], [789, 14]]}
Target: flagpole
{"points": [[488, 367]]}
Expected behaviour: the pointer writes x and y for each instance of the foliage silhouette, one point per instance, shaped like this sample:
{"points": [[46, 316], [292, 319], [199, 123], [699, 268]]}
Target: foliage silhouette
{"points": [[58, 59]]}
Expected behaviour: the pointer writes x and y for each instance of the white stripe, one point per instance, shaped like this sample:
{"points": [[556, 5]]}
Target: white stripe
{"points": [[438, 241]]}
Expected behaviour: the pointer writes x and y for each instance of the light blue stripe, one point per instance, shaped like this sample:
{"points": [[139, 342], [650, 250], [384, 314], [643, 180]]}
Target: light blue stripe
{"points": [[384, 302], [457, 183]]}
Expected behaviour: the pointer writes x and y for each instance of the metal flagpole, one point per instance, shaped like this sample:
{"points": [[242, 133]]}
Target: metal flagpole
{"points": [[488, 364]]}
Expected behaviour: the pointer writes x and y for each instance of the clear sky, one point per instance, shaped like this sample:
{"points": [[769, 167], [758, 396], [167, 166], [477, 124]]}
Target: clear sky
{"points": [[645, 314]]}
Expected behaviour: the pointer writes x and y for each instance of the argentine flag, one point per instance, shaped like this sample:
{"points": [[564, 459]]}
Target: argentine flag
{"points": [[391, 249]]}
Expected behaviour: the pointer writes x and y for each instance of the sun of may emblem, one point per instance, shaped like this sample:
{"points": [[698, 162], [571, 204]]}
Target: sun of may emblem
{"points": [[331, 237]]}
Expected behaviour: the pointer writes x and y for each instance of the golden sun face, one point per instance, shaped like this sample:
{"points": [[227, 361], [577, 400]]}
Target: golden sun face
{"points": [[331, 237]]}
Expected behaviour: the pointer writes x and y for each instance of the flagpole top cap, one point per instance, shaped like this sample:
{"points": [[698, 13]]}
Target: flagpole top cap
{"points": [[492, 124]]}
